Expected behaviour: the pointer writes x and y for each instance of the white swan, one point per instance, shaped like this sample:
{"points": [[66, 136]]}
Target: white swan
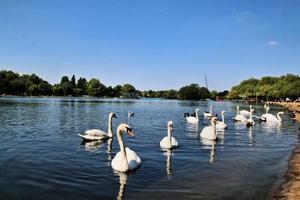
{"points": [[221, 125], [246, 113], [209, 132], [169, 142], [271, 118], [267, 109], [192, 119], [96, 134], [208, 114], [239, 117], [250, 121], [126, 159]]}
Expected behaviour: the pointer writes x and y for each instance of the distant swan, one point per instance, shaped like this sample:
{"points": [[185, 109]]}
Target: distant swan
{"points": [[169, 142], [271, 118], [126, 159], [193, 119], [250, 121], [246, 113], [209, 132], [96, 134], [221, 126], [208, 114], [239, 117]]}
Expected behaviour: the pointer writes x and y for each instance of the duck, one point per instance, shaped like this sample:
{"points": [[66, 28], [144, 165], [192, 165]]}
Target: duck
{"points": [[209, 132], [192, 119], [130, 114], [169, 141], [96, 134], [239, 117], [221, 125], [126, 159], [208, 114]]}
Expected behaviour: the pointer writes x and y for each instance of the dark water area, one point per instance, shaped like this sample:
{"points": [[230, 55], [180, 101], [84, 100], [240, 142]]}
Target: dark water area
{"points": [[42, 157]]}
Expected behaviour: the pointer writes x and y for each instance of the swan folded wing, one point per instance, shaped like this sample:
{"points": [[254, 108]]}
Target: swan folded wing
{"points": [[174, 142], [165, 142], [95, 132], [133, 159], [119, 162]]}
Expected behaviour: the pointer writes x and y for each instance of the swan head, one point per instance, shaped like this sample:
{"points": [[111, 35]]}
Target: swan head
{"points": [[223, 112], [281, 113], [251, 110], [126, 128], [170, 125], [112, 115], [197, 110], [214, 120]]}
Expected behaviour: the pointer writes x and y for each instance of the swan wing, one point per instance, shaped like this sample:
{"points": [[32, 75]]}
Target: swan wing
{"points": [[174, 142], [270, 117], [207, 132], [133, 159], [119, 162], [165, 143], [240, 118], [94, 134], [192, 119], [245, 113]]}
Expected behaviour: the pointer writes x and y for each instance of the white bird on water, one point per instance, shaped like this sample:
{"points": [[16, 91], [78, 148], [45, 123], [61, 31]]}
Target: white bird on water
{"points": [[126, 159], [239, 117], [193, 119], [169, 141], [96, 134], [208, 114], [221, 125], [210, 132]]}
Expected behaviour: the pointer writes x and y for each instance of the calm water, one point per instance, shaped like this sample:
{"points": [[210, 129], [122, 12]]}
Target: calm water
{"points": [[41, 156]]}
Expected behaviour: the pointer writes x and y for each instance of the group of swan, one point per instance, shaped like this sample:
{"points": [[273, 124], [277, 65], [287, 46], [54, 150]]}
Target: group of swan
{"points": [[127, 160]]}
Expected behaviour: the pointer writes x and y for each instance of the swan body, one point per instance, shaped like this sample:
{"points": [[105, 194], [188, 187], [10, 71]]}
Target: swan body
{"points": [[208, 114], [169, 141], [96, 134], [221, 125], [126, 159], [209, 132], [250, 121], [246, 113], [192, 119], [271, 118], [239, 117]]}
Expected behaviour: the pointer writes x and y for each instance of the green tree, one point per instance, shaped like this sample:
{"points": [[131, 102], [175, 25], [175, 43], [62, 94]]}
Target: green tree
{"points": [[96, 88], [81, 88], [128, 91], [190, 92]]}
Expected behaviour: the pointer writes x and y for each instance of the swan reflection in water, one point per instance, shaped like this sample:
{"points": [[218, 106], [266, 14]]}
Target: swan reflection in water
{"points": [[169, 154], [94, 146], [251, 136], [123, 177], [192, 129], [210, 144]]}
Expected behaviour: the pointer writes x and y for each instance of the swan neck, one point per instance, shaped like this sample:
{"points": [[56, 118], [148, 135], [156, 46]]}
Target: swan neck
{"points": [[110, 131], [223, 120], [197, 114], [120, 141], [170, 135], [237, 110], [210, 110], [278, 116], [214, 131]]}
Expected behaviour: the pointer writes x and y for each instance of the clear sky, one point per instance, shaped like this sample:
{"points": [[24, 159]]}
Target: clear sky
{"points": [[153, 44]]}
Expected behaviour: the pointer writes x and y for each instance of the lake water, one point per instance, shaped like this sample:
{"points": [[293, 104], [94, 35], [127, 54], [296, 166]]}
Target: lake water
{"points": [[41, 156]]}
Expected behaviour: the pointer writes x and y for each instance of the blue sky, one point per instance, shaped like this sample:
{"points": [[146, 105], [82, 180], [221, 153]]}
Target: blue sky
{"points": [[154, 44]]}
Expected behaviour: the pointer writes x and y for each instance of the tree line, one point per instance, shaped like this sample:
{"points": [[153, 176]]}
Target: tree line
{"points": [[12, 83], [268, 88]]}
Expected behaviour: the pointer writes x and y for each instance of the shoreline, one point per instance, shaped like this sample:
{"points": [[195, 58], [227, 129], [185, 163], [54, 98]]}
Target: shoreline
{"points": [[290, 184]]}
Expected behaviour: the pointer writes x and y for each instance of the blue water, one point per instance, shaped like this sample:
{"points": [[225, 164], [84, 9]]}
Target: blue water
{"points": [[41, 156]]}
